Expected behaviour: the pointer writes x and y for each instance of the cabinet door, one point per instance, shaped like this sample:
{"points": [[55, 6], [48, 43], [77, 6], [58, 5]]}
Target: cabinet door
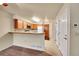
{"points": [[18, 24], [34, 26], [25, 25]]}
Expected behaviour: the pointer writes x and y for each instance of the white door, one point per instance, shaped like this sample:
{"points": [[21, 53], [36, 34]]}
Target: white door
{"points": [[63, 30], [61, 34], [63, 37]]}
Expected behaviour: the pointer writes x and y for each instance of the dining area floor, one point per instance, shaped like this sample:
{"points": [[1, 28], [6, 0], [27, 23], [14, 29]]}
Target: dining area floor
{"points": [[20, 51]]}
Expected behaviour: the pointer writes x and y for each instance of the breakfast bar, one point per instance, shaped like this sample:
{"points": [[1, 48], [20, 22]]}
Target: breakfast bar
{"points": [[33, 40]]}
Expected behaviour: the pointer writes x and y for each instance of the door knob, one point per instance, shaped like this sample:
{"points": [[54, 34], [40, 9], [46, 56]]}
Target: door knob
{"points": [[65, 38], [65, 35]]}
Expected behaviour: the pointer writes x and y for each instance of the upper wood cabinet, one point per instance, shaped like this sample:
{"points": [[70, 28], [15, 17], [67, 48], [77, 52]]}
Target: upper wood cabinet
{"points": [[34, 26], [24, 25], [18, 24]]}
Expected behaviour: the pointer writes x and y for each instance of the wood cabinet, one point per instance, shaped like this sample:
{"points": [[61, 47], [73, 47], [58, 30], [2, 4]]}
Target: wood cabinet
{"points": [[46, 31], [18, 24], [24, 25], [34, 26]]}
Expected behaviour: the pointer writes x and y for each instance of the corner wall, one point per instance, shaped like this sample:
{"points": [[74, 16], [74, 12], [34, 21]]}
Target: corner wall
{"points": [[5, 22], [6, 39]]}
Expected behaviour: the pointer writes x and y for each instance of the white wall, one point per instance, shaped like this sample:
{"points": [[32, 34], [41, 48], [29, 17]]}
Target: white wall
{"points": [[74, 43], [52, 30], [33, 41], [6, 39], [5, 22]]}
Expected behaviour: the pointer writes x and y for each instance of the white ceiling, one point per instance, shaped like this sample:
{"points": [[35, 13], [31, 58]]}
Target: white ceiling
{"points": [[27, 10]]}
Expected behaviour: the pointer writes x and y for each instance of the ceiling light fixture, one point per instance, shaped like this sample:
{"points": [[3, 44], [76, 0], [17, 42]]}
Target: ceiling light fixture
{"points": [[36, 19]]}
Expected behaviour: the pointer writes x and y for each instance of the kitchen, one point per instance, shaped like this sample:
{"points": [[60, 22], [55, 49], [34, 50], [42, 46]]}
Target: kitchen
{"points": [[29, 34], [24, 30]]}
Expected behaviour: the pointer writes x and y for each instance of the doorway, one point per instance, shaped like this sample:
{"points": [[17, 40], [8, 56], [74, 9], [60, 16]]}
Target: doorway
{"points": [[50, 45], [46, 31]]}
